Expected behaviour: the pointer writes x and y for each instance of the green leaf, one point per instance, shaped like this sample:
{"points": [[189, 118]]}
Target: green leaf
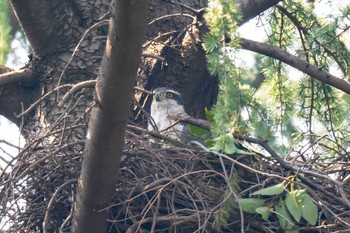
{"points": [[209, 143], [250, 204], [293, 206], [198, 131], [299, 195], [309, 210], [225, 143], [230, 148], [283, 216], [264, 212], [270, 191], [209, 115]]}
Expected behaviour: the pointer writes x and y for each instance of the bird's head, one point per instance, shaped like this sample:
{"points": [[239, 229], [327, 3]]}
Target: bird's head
{"points": [[167, 96], [167, 108]]}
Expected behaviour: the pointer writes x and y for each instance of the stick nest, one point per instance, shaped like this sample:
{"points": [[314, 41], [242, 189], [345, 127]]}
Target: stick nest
{"points": [[163, 187]]}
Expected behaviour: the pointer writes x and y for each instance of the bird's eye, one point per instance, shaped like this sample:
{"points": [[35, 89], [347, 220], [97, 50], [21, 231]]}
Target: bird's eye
{"points": [[169, 95]]}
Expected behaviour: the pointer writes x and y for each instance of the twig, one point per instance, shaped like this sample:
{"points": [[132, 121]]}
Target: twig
{"points": [[88, 84], [143, 90], [10, 144], [196, 122], [153, 56], [53, 198], [155, 215], [233, 193], [158, 135], [169, 16], [193, 10], [238, 163], [76, 49], [168, 218], [36, 103], [76, 88], [69, 217]]}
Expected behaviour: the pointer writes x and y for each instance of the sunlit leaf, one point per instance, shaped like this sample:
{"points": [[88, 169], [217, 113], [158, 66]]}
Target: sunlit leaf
{"points": [[250, 204], [293, 206], [209, 115], [264, 212], [198, 131], [225, 144], [284, 218], [270, 191], [309, 210]]}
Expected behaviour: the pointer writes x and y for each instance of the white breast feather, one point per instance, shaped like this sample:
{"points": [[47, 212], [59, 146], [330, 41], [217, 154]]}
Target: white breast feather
{"points": [[166, 113]]}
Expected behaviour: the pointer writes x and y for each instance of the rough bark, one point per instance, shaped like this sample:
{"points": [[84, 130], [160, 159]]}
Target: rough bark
{"points": [[103, 150], [42, 27], [54, 30], [252, 8]]}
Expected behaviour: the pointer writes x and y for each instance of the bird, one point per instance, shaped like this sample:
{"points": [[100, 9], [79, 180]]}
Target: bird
{"points": [[166, 109]]}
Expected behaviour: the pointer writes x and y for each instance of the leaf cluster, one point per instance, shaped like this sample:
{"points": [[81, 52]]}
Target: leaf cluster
{"points": [[289, 205]]}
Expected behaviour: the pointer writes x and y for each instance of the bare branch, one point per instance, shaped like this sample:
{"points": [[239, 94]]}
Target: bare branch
{"points": [[76, 88], [15, 76], [87, 84], [305, 67], [36, 103]]}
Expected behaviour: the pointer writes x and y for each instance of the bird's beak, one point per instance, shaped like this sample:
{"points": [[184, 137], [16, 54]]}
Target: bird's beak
{"points": [[156, 97]]}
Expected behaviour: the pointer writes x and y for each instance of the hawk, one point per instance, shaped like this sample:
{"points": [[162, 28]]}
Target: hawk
{"points": [[166, 110]]}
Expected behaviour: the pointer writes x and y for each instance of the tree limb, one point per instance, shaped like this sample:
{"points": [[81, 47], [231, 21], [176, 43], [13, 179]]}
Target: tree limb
{"points": [[305, 67], [252, 8], [103, 148], [45, 28], [15, 76]]}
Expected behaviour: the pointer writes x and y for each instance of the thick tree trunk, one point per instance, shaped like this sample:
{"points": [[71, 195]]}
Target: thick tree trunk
{"points": [[68, 39], [114, 88]]}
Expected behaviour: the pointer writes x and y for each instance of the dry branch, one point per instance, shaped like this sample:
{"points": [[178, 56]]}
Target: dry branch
{"points": [[16, 76], [305, 67]]}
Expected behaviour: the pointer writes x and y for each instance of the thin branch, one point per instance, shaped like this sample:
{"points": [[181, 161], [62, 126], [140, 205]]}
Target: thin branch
{"points": [[234, 194], [153, 56], [312, 70], [76, 88], [51, 202], [143, 90], [169, 16], [88, 84], [196, 122], [76, 49], [41, 99], [197, 12]]}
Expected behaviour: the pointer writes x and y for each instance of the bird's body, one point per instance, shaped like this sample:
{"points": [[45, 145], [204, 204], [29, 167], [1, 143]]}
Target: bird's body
{"points": [[166, 110]]}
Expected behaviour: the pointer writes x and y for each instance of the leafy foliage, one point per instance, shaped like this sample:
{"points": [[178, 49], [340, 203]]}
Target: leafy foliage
{"points": [[286, 110], [5, 38], [288, 205], [290, 112]]}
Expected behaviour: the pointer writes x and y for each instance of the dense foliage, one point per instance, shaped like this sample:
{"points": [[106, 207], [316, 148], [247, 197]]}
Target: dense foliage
{"points": [[298, 115], [289, 108]]}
